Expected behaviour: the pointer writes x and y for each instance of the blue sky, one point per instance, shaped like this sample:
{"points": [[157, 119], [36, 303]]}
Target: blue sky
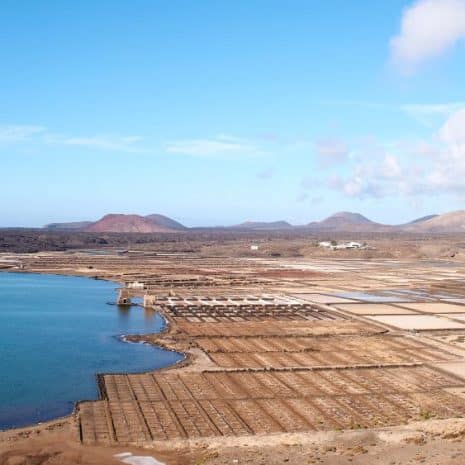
{"points": [[220, 112]]}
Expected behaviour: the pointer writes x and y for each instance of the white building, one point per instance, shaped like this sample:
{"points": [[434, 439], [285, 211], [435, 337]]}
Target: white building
{"points": [[347, 245], [135, 285], [353, 245]]}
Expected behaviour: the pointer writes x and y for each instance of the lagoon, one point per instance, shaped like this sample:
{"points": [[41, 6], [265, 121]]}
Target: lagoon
{"points": [[56, 334]]}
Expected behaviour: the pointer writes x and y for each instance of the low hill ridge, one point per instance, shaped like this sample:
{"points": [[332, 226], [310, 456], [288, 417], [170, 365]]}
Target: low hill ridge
{"points": [[422, 219], [71, 226], [263, 225], [451, 222]]}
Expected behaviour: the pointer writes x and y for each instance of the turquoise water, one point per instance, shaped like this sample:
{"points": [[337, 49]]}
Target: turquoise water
{"points": [[56, 334]]}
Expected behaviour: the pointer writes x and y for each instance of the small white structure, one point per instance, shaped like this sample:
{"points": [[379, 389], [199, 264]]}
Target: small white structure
{"points": [[353, 245], [347, 245], [254, 247], [135, 285]]}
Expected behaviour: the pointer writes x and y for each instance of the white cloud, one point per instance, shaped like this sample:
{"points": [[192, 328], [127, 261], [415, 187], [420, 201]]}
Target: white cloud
{"points": [[379, 178], [448, 173], [452, 134], [222, 145], [354, 186], [103, 142], [440, 109], [419, 168], [18, 133], [391, 166], [424, 148], [429, 114], [331, 149], [429, 28], [40, 135], [375, 172], [426, 114]]}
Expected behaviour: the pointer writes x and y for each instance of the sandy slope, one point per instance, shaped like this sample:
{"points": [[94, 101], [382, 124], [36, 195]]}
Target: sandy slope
{"points": [[55, 443], [438, 442]]}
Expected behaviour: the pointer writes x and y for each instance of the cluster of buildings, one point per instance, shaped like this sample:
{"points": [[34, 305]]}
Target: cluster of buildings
{"points": [[345, 245]]}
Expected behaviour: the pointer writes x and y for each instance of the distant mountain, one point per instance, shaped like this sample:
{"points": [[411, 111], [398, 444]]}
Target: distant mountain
{"points": [[121, 223], [263, 225], [347, 221], [73, 226], [422, 219], [117, 223], [453, 222], [164, 221], [345, 218]]}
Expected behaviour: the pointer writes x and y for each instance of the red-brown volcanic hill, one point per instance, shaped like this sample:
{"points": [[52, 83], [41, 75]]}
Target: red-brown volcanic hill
{"points": [[347, 222], [166, 222], [117, 223]]}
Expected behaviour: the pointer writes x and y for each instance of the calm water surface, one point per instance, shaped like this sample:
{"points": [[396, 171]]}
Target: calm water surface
{"points": [[56, 333]]}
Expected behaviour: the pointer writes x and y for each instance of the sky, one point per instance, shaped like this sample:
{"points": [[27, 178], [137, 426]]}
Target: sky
{"points": [[214, 113]]}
